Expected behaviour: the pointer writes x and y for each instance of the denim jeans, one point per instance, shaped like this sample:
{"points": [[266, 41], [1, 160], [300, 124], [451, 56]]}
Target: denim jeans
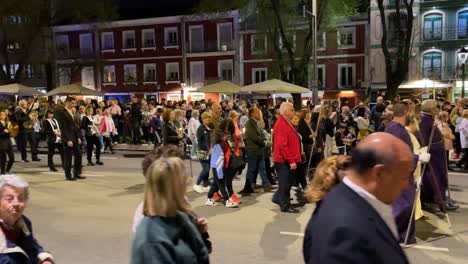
{"points": [[255, 165], [194, 148], [204, 173]]}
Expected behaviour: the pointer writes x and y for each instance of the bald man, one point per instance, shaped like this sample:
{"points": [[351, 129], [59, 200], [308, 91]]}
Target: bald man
{"points": [[354, 223]]}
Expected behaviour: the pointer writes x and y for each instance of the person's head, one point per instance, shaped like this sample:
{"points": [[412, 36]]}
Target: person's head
{"points": [[89, 111], [206, 118], [195, 114], [88, 101], [50, 114], [361, 111], [165, 188], [14, 195], [287, 110], [23, 103], [295, 119], [352, 130], [401, 110], [160, 152], [443, 116], [381, 164], [465, 114], [227, 125], [219, 136], [430, 107], [216, 110], [341, 127], [459, 110], [234, 115], [328, 173], [168, 116], [70, 103], [447, 106], [151, 105], [99, 111], [413, 125], [178, 114], [380, 107], [255, 113], [306, 115], [386, 117], [345, 110], [3, 115], [134, 99], [82, 109], [380, 100], [113, 101]]}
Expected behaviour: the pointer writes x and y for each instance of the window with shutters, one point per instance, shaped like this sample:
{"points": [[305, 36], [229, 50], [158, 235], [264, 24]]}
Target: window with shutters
{"points": [[150, 72], [87, 77], [225, 36], [196, 38], [197, 74], [346, 75], [170, 37], [225, 70], [107, 41], [64, 76], [108, 74], [129, 40], [259, 44], [346, 38], [432, 27], [172, 72], [259, 75], [130, 73], [148, 38], [86, 44], [63, 48]]}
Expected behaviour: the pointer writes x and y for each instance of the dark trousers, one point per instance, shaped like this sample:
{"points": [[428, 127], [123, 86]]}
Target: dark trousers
{"points": [[91, 142], [69, 153], [108, 143], [301, 175], [135, 132], [464, 161], [269, 171], [6, 167], [255, 166], [285, 181], [51, 146], [218, 185], [204, 173], [23, 139]]}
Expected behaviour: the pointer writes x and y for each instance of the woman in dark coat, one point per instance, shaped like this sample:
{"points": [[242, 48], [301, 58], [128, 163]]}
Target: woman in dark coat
{"points": [[307, 134], [171, 135], [92, 137], [5, 145]]}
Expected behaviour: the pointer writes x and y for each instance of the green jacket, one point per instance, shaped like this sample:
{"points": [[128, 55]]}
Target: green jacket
{"points": [[254, 138], [168, 240]]}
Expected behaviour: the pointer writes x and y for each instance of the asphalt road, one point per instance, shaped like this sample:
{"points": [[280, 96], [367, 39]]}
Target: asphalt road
{"points": [[89, 221]]}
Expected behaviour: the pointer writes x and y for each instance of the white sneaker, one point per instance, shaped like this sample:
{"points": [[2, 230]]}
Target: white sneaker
{"points": [[231, 204], [206, 189], [198, 188], [211, 202]]}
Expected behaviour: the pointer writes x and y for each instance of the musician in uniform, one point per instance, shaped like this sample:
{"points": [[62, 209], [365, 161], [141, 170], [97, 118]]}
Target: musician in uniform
{"points": [[92, 137], [25, 134], [53, 133], [6, 147], [71, 141]]}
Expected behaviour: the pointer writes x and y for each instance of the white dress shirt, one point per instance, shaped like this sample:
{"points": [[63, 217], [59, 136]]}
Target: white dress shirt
{"points": [[384, 210]]}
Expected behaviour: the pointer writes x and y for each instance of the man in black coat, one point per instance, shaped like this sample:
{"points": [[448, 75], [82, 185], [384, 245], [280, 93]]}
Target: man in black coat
{"points": [[354, 222], [54, 141], [26, 131], [6, 149], [135, 114], [71, 141]]}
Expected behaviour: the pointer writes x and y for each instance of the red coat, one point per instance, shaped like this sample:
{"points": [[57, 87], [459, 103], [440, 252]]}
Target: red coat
{"points": [[286, 144]]}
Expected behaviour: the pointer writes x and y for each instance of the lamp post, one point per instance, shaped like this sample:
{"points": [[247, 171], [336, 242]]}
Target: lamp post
{"points": [[462, 56]]}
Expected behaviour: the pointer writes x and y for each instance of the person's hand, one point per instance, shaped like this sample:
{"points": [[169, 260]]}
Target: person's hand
{"points": [[58, 134], [79, 141], [70, 144], [424, 157], [6, 130], [180, 136], [293, 166], [202, 225]]}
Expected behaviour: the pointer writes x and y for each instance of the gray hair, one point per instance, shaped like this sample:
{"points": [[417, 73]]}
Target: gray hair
{"points": [[195, 114], [14, 181], [428, 105], [284, 107]]}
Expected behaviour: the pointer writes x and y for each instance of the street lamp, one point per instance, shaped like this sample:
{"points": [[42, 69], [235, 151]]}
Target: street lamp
{"points": [[462, 56]]}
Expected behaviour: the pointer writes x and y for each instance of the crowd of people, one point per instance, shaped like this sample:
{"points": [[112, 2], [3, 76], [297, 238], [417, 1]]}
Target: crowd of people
{"points": [[330, 154]]}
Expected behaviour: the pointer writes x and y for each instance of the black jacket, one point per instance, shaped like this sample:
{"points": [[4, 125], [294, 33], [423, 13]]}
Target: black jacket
{"points": [[70, 128], [170, 135], [354, 233], [304, 130], [85, 123], [49, 131], [22, 117], [203, 138], [5, 142]]}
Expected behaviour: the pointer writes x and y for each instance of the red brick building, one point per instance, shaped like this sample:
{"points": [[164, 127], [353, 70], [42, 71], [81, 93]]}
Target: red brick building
{"points": [[167, 57]]}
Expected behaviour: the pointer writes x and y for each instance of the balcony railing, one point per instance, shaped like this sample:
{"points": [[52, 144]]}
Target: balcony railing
{"points": [[209, 46], [441, 73], [444, 33]]}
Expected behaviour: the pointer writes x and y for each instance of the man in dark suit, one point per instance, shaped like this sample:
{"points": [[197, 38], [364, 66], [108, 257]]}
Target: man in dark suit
{"points": [[71, 141], [54, 141], [25, 131], [354, 222]]}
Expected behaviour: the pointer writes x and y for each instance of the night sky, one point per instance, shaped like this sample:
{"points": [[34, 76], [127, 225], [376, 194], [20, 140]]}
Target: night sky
{"points": [[133, 9]]}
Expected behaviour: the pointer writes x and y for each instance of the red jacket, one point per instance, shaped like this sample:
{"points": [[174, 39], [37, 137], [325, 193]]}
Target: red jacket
{"points": [[286, 144]]}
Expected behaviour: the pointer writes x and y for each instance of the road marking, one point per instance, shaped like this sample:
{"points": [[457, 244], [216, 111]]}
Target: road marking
{"points": [[426, 248], [458, 173], [292, 234]]}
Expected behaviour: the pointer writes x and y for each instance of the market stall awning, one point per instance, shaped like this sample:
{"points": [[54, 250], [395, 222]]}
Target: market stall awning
{"points": [[274, 86], [18, 89], [226, 87], [73, 89], [420, 84]]}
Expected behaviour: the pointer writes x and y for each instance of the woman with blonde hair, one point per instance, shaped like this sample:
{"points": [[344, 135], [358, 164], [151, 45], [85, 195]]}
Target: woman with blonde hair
{"points": [[328, 174], [166, 233], [448, 136]]}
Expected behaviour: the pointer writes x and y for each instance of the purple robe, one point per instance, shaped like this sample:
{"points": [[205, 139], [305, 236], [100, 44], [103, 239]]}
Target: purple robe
{"points": [[403, 206], [434, 181]]}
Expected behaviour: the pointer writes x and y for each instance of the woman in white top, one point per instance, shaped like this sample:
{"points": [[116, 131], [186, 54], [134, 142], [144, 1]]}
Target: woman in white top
{"points": [[97, 122], [463, 128], [363, 123], [193, 125]]}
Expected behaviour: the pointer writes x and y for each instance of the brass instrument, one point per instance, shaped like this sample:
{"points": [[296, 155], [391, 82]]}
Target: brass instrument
{"points": [[32, 119], [13, 128]]}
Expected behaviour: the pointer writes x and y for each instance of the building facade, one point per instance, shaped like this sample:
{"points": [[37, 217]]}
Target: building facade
{"points": [[341, 60], [167, 57]]}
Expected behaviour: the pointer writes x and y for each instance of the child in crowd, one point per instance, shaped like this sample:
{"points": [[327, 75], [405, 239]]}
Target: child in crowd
{"points": [[220, 156], [340, 139], [351, 139]]}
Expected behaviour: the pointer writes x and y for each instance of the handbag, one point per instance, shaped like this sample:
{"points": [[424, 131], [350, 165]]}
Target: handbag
{"points": [[236, 162], [202, 155]]}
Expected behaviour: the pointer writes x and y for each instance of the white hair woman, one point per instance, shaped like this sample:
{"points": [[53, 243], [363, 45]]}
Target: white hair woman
{"points": [[20, 245], [193, 126], [166, 233], [108, 130]]}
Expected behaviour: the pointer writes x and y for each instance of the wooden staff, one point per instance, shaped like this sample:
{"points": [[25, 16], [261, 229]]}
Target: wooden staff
{"points": [[315, 140]]}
